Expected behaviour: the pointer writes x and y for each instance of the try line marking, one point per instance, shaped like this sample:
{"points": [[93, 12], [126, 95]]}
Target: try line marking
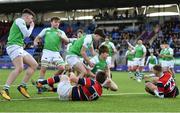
{"points": [[54, 97]]}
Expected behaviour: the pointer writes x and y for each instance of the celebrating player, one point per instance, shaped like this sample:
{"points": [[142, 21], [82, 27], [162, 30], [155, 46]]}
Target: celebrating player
{"points": [[139, 60]]}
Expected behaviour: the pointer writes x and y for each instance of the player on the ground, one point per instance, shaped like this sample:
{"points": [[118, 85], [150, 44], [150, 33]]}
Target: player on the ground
{"points": [[86, 89], [162, 85], [18, 55], [151, 60], [78, 50], [139, 60]]}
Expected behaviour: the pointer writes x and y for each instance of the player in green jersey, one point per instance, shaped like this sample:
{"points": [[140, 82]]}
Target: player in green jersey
{"points": [[168, 57], [139, 60], [53, 39], [151, 60], [101, 64], [18, 55], [130, 60], [161, 60], [78, 50], [112, 51]]}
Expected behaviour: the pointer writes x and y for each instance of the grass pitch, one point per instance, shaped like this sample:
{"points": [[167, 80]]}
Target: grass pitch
{"points": [[130, 97]]}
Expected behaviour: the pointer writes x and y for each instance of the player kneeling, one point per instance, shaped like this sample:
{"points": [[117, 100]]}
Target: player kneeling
{"points": [[162, 84]]}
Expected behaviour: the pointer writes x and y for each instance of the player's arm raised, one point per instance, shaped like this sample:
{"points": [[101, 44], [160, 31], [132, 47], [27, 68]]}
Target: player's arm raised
{"points": [[22, 26]]}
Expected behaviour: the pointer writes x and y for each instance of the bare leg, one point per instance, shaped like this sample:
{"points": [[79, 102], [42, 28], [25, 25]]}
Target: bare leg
{"points": [[81, 69], [60, 68], [42, 72], [30, 61], [151, 86], [18, 63]]}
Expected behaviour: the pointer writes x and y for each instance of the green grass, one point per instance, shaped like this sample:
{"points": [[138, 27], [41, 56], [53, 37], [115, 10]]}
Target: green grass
{"points": [[131, 97]]}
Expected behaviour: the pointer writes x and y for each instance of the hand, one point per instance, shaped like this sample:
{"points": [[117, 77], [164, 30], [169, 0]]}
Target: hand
{"points": [[72, 76], [93, 75], [91, 64], [162, 56], [35, 43], [32, 24]]}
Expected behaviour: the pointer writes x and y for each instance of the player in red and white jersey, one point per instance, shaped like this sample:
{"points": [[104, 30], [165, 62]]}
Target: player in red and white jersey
{"points": [[85, 89], [162, 84]]}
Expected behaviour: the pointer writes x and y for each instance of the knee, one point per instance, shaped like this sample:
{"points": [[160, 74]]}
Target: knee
{"points": [[19, 69], [148, 84], [34, 65]]}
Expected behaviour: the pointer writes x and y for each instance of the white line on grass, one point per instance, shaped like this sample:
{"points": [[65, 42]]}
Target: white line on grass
{"points": [[53, 97], [15, 85], [91, 112]]}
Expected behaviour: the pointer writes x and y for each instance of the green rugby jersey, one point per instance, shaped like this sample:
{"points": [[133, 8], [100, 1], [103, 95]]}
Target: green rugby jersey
{"points": [[75, 48], [100, 64], [51, 39]]}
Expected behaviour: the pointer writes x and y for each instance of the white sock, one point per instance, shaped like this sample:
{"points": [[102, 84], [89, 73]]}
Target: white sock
{"points": [[157, 94], [6, 86]]}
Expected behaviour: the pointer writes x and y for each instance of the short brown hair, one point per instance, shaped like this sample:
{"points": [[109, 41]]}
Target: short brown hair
{"points": [[103, 49], [164, 42], [80, 30], [28, 11], [55, 18], [101, 77], [158, 68], [100, 32]]}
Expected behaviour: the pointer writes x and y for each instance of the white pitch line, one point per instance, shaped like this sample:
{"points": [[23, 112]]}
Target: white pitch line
{"points": [[53, 97], [16, 85], [92, 112], [123, 94]]}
